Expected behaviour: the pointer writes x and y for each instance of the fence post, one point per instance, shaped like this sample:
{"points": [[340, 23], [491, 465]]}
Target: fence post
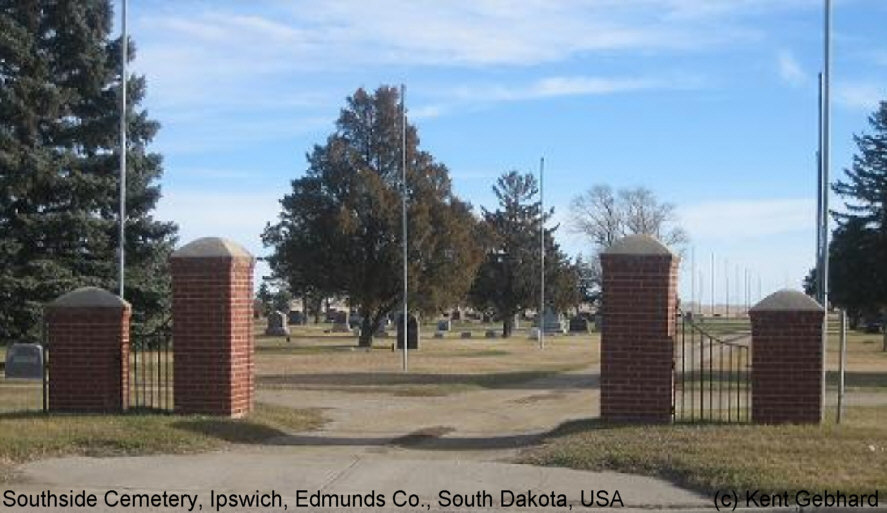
{"points": [[88, 330], [787, 356], [637, 339], [213, 343]]}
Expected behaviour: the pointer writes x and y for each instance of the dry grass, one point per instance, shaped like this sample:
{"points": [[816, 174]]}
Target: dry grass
{"points": [[30, 436], [316, 360], [851, 457]]}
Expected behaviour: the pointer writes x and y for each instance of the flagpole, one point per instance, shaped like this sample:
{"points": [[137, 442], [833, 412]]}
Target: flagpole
{"points": [[403, 168], [122, 215], [541, 253], [826, 143]]}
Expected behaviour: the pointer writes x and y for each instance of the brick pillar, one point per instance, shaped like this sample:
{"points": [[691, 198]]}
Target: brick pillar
{"points": [[212, 328], [88, 333], [637, 344], [786, 379]]}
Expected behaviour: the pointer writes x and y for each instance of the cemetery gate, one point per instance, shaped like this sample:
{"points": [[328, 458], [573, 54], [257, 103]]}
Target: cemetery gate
{"points": [[151, 369], [712, 375]]}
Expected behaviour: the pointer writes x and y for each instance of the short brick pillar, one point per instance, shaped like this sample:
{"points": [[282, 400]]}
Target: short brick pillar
{"points": [[88, 334], [212, 306], [637, 339], [786, 375]]}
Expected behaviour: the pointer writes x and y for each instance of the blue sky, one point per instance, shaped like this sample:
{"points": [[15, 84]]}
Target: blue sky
{"points": [[709, 103]]}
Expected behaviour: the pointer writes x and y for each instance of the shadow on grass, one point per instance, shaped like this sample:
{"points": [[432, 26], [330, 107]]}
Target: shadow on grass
{"points": [[859, 379], [232, 431], [529, 380]]}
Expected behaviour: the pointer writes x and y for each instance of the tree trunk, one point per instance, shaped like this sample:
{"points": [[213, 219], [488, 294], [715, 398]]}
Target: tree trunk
{"points": [[367, 329], [507, 326]]}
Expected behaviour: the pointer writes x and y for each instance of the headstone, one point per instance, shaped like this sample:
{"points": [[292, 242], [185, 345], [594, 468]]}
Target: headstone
{"points": [[466, 334], [355, 320], [456, 315], [295, 317], [412, 332], [578, 325], [24, 361], [551, 323], [443, 325], [438, 334], [277, 325], [534, 334], [340, 317], [490, 334]]}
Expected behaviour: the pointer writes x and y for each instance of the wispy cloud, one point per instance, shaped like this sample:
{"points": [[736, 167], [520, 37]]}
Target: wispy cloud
{"points": [[790, 70], [860, 95], [751, 219]]}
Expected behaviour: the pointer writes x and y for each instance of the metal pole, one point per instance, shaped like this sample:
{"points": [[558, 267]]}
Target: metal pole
{"points": [[712, 284], [122, 216], [726, 289], [542, 253], [692, 278], [819, 193], [826, 143], [842, 361], [403, 195]]}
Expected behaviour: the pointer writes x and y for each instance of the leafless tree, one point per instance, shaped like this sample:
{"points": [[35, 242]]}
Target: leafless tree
{"points": [[605, 217]]}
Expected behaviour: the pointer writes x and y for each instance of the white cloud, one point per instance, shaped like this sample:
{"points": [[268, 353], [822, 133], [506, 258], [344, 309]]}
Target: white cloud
{"points": [[790, 70], [751, 219], [860, 95]]}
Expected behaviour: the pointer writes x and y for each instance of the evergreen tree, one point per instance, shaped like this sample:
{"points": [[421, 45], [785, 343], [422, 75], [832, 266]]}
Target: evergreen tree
{"points": [[858, 252], [339, 232], [59, 140], [508, 280]]}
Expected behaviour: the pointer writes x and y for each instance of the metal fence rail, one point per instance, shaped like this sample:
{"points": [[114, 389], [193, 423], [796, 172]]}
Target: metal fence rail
{"points": [[712, 376], [151, 371]]}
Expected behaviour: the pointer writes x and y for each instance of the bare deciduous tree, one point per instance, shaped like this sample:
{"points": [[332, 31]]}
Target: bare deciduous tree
{"points": [[605, 217]]}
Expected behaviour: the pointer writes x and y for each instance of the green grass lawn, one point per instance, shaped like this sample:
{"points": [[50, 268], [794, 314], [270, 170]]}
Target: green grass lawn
{"points": [[30, 436], [851, 457]]}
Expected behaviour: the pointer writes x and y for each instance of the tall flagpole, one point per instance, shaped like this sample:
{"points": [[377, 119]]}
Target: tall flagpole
{"points": [[826, 143], [542, 253], [403, 195], [122, 216]]}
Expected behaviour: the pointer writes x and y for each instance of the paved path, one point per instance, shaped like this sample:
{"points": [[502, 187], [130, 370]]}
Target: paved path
{"points": [[376, 442]]}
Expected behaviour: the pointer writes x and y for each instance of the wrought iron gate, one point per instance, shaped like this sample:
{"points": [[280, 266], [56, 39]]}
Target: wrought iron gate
{"points": [[151, 370], [712, 375]]}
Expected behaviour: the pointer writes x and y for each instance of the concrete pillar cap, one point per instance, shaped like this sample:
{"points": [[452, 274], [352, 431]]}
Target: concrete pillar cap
{"points": [[212, 247], [89, 297], [787, 300], [638, 245]]}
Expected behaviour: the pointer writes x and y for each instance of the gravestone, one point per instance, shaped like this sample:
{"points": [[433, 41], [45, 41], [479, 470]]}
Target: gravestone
{"points": [[355, 320], [341, 327], [439, 334], [340, 317], [412, 335], [578, 325], [24, 361], [551, 323], [490, 334], [443, 325], [466, 334], [295, 317], [456, 315], [277, 325]]}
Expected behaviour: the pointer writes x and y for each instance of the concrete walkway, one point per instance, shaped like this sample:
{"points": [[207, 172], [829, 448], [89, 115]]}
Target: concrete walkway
{"points": [[377, 443]]}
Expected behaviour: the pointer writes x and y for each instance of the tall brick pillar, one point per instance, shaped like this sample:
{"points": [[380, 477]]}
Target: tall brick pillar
{"points": [[212, 328], [637, 345], [786, 376], [88, 333]]}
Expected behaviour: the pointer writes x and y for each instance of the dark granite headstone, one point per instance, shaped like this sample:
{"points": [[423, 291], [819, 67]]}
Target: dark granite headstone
{"points": [[578, 325], [412, 332], [24, 361], [277, 325]]}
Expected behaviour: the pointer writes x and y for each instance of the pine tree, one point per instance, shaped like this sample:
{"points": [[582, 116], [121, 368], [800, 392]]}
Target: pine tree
{"points": [[507, 281], [339, 232], [859, 248], [59, 167]]}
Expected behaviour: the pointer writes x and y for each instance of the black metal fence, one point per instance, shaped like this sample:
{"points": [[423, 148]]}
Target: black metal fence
{"points": [[712, 374], [151, 370]]}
